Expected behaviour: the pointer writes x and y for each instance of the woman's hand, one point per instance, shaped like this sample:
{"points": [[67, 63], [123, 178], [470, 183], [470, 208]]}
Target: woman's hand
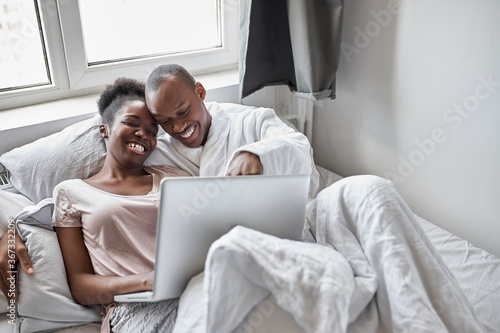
{"points": [[102, 289], [12, 250], [149, 281]]}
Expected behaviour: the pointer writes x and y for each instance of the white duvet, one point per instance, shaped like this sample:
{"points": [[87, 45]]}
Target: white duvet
{"points": [[372, 269]]}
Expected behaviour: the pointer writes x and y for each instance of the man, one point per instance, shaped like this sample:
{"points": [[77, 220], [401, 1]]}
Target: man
{"points": [[219, 139]]}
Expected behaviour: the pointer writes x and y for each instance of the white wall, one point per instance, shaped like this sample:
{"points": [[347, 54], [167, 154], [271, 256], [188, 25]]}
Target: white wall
{"points": [[403, 77]]}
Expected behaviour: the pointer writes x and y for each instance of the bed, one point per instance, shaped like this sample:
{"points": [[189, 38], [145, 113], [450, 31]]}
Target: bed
{"points": [[45, 302]]}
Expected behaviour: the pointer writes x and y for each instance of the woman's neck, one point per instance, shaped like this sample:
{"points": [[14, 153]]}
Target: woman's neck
{"points": [[118, 179]]}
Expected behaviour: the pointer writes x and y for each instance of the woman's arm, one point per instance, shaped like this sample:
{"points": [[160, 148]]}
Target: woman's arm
{"points": [[86, 286]]}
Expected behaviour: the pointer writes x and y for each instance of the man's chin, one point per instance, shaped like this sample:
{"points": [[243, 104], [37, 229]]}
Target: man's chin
{"points": [[196, 142], [192, 144]]}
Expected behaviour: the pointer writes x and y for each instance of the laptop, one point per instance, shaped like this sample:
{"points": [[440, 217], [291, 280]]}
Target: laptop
{"points": [[196, 211]]}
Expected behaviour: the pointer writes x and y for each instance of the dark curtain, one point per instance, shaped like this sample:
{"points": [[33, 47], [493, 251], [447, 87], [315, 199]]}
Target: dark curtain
{"points": [[292, 42]]}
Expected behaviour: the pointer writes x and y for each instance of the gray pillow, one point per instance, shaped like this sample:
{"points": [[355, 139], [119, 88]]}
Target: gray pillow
{"points": [[75, 152], [10, 205], [45, 301]]}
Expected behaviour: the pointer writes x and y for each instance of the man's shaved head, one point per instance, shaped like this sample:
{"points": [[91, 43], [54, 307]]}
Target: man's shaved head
{"points": [[170, 71]]}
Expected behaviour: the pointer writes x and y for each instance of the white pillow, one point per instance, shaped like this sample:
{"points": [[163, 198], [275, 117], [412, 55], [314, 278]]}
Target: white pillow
{"points": [[10, 205], [36, 168], [45, 301]]}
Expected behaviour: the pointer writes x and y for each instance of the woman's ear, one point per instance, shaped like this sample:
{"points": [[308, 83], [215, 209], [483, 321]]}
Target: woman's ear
{"points": [[200, 90], [103, 131]]}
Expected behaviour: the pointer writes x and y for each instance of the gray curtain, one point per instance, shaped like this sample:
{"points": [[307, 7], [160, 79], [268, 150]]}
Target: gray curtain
{"points": [[292, 42]]}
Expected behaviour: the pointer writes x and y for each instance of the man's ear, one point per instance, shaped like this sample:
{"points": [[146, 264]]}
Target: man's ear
{"points": [[103, 130], [200, 90]]}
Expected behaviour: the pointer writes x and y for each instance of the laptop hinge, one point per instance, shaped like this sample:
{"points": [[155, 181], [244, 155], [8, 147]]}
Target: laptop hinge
{"points": [[4, 180]]}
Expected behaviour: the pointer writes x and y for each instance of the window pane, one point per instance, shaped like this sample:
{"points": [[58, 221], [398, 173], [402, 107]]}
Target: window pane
{"points": [[123, 29], [22, 57]]}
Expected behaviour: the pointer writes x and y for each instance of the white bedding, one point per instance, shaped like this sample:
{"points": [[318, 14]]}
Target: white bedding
{"points": [[476, 271], [315, 283]]}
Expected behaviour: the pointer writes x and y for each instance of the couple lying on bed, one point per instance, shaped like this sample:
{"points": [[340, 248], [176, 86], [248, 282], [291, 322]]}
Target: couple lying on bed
{"points": [[106, 224]]}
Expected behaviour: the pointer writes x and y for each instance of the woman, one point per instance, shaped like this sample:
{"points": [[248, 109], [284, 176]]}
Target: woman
{"points": [[106, 224]]}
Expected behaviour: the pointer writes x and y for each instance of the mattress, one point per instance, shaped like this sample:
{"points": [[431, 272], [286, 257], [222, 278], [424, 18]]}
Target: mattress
{"points": [[477, 272]]}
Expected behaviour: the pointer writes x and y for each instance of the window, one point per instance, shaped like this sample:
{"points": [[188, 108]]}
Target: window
{"points": [[23, 61], [71, 47], [114, 31]]}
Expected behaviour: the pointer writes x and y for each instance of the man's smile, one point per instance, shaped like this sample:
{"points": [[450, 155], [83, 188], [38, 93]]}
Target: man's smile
{"points": [[188, 133]]}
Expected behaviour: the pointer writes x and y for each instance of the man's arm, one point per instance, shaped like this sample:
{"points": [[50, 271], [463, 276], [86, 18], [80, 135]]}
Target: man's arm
{"points": [[12, 249], [281, 149], [245, 164]]}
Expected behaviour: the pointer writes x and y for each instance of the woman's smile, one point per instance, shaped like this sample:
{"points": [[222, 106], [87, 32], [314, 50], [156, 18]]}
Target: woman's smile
{"points": [[136, 147]]}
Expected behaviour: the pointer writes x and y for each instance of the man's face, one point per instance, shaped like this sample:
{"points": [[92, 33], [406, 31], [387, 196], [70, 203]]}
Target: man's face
{"points": [[180, 111]]}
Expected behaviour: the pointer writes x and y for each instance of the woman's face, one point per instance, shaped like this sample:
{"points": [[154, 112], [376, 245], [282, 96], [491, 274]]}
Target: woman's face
{"points": [[132, 136]]}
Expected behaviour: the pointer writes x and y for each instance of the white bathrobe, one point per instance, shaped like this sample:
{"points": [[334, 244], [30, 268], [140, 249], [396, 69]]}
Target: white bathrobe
{"points": [[236, 128]]}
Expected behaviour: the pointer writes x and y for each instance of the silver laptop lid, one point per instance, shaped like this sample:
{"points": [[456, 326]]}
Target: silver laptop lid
{"points": [[196, 211]]}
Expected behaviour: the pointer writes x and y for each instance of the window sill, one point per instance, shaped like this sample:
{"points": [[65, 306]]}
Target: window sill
{"points": [[22, 125]]}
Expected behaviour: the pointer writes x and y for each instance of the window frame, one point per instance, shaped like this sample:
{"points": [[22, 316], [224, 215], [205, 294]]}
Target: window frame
{"points": [[55, 60], [63, 38]]}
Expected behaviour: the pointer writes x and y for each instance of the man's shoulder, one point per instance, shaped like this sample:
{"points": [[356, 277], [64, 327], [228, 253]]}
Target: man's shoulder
{"points": [[227, 108], [233, 110]]}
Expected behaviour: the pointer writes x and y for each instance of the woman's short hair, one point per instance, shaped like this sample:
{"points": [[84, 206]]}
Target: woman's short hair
{"points": [[116, 95]]}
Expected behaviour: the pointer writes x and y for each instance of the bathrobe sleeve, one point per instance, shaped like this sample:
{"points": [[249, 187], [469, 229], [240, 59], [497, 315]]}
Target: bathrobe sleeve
{"points": [[281, 149]]}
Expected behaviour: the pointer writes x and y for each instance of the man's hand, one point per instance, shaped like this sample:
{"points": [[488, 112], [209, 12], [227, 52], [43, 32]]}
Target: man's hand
{"points": [[12, 248], [245, 163]]}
